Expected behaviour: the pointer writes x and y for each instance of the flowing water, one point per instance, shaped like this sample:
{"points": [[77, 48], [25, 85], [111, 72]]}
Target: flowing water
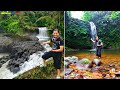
{"points": [[93, 33], [43, 35], [34, 59]]}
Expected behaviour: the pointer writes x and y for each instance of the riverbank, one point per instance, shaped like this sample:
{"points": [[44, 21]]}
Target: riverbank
{"points": [[48, 72], [110, 62]]}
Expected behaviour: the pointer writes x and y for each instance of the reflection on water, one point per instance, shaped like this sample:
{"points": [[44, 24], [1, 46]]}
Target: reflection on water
{"points": [[104, 51], [108, 56]]}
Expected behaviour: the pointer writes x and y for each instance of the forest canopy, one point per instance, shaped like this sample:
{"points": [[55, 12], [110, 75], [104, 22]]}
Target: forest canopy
{"points": [[107, 25], [19, 22]]}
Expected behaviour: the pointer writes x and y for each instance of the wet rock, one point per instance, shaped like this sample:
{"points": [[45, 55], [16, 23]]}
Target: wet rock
{"points": [[104, 75], [1, 65], [2, 30], [97, 62], [68, 71], [4, 43], [111, 65], [84, 61], [3, 60], [15, 69], [79, 76], [72, 59], [20, 52], [90, 65], [66, 64], [82, 66], [117, 74], [33, 38]]}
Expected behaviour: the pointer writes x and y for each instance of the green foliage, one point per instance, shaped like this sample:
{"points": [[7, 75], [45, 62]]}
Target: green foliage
{"points": [[108, 28], [76, 34], [115, 14], [87, 16], [45, 21], [107, 25], [19, 24]]}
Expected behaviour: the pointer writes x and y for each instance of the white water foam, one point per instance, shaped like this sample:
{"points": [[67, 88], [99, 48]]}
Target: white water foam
{"points": [[34, 61]]}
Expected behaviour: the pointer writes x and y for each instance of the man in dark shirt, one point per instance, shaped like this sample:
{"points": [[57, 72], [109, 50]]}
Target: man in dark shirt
{"points": [[99, 45], [56, 52]]}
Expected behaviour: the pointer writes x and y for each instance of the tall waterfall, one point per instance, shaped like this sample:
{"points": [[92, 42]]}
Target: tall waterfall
{"points": [[43, 35], [93, 32]]}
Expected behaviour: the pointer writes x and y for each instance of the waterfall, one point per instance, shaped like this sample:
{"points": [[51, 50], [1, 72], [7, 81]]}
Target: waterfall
{"points": [[34, 60], [93, 32], [42, 36]]}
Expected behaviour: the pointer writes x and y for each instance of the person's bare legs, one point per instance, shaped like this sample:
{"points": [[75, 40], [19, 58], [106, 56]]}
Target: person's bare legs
{"points": [[44, 62], [58, 73]]}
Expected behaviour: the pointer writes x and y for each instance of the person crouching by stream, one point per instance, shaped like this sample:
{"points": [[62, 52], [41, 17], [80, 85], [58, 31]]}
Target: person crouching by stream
{"points": [[99, 46], [56, 52]]}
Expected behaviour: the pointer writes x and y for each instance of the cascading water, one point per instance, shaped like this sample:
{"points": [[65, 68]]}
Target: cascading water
{"points": [[34, 60], [93, 33], [42, 36]]}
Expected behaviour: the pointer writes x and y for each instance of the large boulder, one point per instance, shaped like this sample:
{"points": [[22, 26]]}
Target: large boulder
{"points": [[97, 62], [84, 61], [20, 52], [4, 43]]}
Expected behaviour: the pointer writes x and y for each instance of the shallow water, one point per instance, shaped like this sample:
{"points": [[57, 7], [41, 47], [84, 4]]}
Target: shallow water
{"points": [[107, 56]]}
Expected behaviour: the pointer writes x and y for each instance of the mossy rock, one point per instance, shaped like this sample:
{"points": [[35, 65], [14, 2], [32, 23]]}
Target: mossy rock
{"points": [[85, 61]]}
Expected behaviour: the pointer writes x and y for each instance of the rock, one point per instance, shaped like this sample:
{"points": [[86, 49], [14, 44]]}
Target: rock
{"points": [[3, 61], [90, 65], [97, 62], [1, 65], [111, 65], [2, 30], [4, 43], [84, 61], [21, 51], [33, 38], [66, 63], [103, 75], [117, 74], [67, 59], [14, 69], [74, 58], [68, 71]]}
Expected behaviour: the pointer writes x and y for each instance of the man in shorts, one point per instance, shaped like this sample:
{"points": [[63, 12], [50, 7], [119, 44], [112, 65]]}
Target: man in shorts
{"points": [[56, 52]]}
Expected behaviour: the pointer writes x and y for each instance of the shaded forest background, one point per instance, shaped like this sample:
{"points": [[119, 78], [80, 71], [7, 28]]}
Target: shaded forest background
{"points": [[77, 32], [28, 21]]}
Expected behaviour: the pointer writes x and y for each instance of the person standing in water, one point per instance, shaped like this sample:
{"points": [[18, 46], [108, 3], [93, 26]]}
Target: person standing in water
{"points": [[56, 52], [99, 45]]}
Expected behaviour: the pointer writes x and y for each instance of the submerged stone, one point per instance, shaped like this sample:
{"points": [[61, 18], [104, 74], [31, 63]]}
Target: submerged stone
{"points": [[97, 62]]}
